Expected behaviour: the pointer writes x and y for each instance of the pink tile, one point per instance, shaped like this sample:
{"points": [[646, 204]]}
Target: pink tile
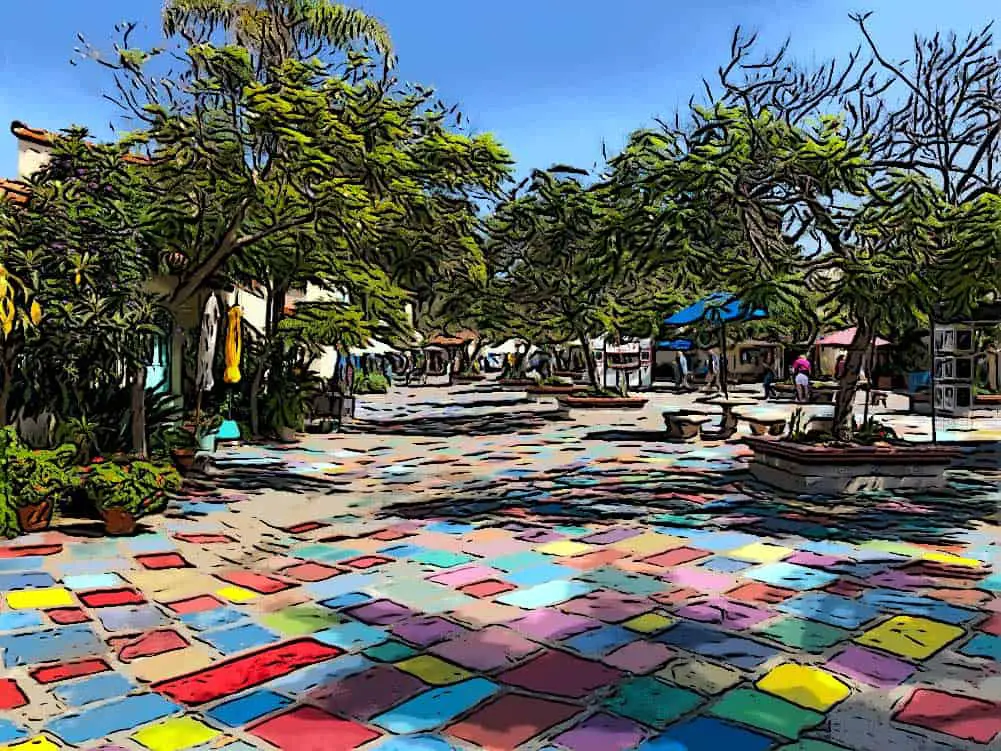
{"points": [[701, 580], [460, 577], [487, 649], [639, 656]]}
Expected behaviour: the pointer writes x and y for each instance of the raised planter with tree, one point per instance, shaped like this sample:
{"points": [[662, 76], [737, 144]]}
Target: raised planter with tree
{"points": [[126, 492], [34, 481]]}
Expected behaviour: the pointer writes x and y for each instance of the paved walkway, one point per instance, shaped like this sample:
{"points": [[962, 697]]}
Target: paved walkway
{"points": [[549, 589]]}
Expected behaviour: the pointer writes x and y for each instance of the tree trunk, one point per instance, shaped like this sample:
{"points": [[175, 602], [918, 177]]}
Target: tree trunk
{"points": [[138, 409], [5, 389], [844, 403], [589, 361]]}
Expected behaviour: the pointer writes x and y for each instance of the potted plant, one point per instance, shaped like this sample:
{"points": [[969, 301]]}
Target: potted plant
{"points": [[285, 410], [125, 492], [34, 480], [181, 444]]}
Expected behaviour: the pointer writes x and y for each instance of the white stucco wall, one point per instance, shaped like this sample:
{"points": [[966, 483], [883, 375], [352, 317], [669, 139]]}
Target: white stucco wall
{"points": [[30, 158]]}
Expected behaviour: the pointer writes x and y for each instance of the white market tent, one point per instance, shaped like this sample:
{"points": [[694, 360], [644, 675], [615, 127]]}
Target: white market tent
{"points": [[374, 347]]}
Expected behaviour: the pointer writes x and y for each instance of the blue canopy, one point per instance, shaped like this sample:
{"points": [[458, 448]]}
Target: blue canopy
{"points": [[719, 307], [680, 345]]}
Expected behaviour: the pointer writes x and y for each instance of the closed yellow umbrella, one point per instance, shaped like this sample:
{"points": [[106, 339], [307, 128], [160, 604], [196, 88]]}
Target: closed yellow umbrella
{"points": [[234, 346]]}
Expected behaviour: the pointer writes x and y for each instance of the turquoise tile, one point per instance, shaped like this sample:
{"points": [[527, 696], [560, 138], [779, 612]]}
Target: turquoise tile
{"points": [[248, 708], [519, 561], [791, 576], [92, 581], [544, 595], [434, 708], [441, 558], [351, 636], [983, 645]]}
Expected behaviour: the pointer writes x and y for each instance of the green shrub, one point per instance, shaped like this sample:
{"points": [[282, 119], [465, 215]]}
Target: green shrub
{"points": [[370, 383], [29, 476], [139, 487]]}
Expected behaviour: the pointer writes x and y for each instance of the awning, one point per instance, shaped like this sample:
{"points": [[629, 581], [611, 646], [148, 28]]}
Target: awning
{"points": [[676, 345], [717, 308], [843, 338]]}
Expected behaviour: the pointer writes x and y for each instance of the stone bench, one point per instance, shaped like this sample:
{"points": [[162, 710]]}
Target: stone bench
{"points": [[765, 423], [684, 425]]}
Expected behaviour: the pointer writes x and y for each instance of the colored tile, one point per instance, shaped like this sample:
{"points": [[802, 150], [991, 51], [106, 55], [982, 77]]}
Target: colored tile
{"points": [[67, 616], [761, 552], [321, 674], [175, 734], [707, 734], [20, 619], [390, 651], [511, 720], [677, 557], [39, 599], [564, 548], [709, 642], [11, 695], [608, 606], [486, 649], [639, 657], [871, 668], [234, 675], [160, 561], [727, 613], [833, 610], [148, 645], [351, 636], [805, 686], [195, 605], [529, 577], [38, 743], [92, 581], [116, 716], [50, 645], [791, 576], [560, 674], [310, 572], [10, 732], [601, 732], [93, 689], [649, 623], [300, 620], [600, 641], [111, 598], [915, 638], [759, 710], [247, 708], [433, 670], [436, 707], [380, 613], [982, 645], [704, 677], [239, 638], [29, 580], [545, 595], [366, 562], [914, 604], [203, 620], [442, 558], [426, 630], [311, 729], [959, 716], [808, 636], [488, 588], [652, 702], [249, 580], [552, 625], [364, 695], [237, 594]]}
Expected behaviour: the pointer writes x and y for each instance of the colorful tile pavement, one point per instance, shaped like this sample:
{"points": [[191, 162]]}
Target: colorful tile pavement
{"points": [[290, 616]]}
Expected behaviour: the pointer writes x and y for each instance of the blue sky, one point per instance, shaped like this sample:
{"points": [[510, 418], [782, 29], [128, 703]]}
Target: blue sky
{"points": [[551, 78]]}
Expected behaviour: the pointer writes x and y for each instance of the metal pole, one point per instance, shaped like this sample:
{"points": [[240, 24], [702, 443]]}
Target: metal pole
{"points": [[934, 433], [722, 365]]}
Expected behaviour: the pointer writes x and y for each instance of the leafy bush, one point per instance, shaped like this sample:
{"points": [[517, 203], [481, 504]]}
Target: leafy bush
{"points": [[29, 476], [874, 431], [139, 487], [370, 383]]}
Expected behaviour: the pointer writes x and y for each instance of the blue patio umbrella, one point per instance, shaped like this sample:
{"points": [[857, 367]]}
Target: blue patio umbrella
{"points": [[717, 309], [676, 345]]}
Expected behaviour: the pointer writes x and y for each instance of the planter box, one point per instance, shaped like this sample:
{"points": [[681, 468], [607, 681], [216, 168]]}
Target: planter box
{"points": [[988, 400], [825, 470], [519, 382], [567, 389], [470, 378], [603, 402]]}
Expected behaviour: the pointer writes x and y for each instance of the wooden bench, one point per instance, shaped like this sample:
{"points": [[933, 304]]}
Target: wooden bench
{"points": [[684, 425]]}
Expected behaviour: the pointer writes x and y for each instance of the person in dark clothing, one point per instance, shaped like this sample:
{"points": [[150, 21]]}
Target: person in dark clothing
{"points": [[768, 381]]}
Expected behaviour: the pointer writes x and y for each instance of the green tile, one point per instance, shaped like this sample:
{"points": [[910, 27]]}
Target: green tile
{"points": [[760, 710], [810, 745], [630, 584], [652, 702], [389, 651], [441, 558], [809, 636], [300, 620]]}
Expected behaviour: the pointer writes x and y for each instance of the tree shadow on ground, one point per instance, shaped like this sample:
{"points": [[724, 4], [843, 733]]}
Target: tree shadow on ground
{"points": [[443, 427]]}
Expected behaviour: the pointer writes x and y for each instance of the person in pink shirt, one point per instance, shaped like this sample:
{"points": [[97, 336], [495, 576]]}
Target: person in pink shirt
{"points": [[801, 377]]}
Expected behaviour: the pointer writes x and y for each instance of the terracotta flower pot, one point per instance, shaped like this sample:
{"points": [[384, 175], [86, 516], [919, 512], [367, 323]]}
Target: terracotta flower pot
{"points": [[184, 460], [118, 521], [35, 517]]}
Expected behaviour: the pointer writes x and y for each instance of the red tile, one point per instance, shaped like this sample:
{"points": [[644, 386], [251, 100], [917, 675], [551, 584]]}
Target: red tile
{"points": [[66, 616], [677, 597], [309, 572], [299, 529], [561, 674], [23, 551], [992, 625], [389, 535], [594, 560], [959, 716], [159, 561], [259, 583], [845, 588], [367, 561], [311, 729], [510, 721], [232, 676], [11, 695], [56, 673], [488, 588], [203, 539], [109, 598], [195, 604], [757, 592], [154, 643], [676, 557]]}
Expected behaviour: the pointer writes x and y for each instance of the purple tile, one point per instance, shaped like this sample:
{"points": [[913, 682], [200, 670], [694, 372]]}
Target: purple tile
{"points": [[893, 579], [610, 536], [460, 577], [552, 625], [380, 613], [487, 649], [639, 657], [609, 606], [870, 667], [806, 558], [601, 732], [426, 630], [541, 536], [724, 612]]}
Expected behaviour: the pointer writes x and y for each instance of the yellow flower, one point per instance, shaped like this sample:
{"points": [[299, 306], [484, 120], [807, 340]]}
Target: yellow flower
{"points": [[76, 279], [36, 312]]}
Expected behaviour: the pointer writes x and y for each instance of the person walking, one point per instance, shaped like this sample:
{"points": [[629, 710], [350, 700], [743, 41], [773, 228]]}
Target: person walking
{"points": [[682, 364], [768, 381], [839, 367], [801, 377], [712, 372]]}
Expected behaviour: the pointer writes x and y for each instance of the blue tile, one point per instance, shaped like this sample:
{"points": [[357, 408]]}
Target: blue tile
{"points": [[27, 563], [132, 618], [544, 595], [709, 642], [339, 585], [309, 678], [600, 642], [27, 580], [416, 743], [347, 600], [450, 528], [547, 572], [723, 565], [116, 716], [248, 708], [51, 645], [351, 636], [10, 732], [992, 583], [17, 619], [402, 551], [915, 604], [92, 581], [151, 543], [214, 618], [707, 734], [791, 576], [983, 645], [239, 638], [95, 688], [833, 610], [97, 566], [434, 708]]}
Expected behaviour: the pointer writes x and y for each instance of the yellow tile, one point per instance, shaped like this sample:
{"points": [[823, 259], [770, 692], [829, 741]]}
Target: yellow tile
{"points": [[237, 594], [649, 543], [50, 597], [433, 670], [565, 548], [806, 686], [39, 743], [952, 560], [175, 734], [916, 638], [761, 552], [649, 623]]}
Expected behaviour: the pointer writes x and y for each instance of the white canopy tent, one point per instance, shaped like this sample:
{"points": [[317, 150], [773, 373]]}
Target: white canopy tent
{"points": [[374, 347]]}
